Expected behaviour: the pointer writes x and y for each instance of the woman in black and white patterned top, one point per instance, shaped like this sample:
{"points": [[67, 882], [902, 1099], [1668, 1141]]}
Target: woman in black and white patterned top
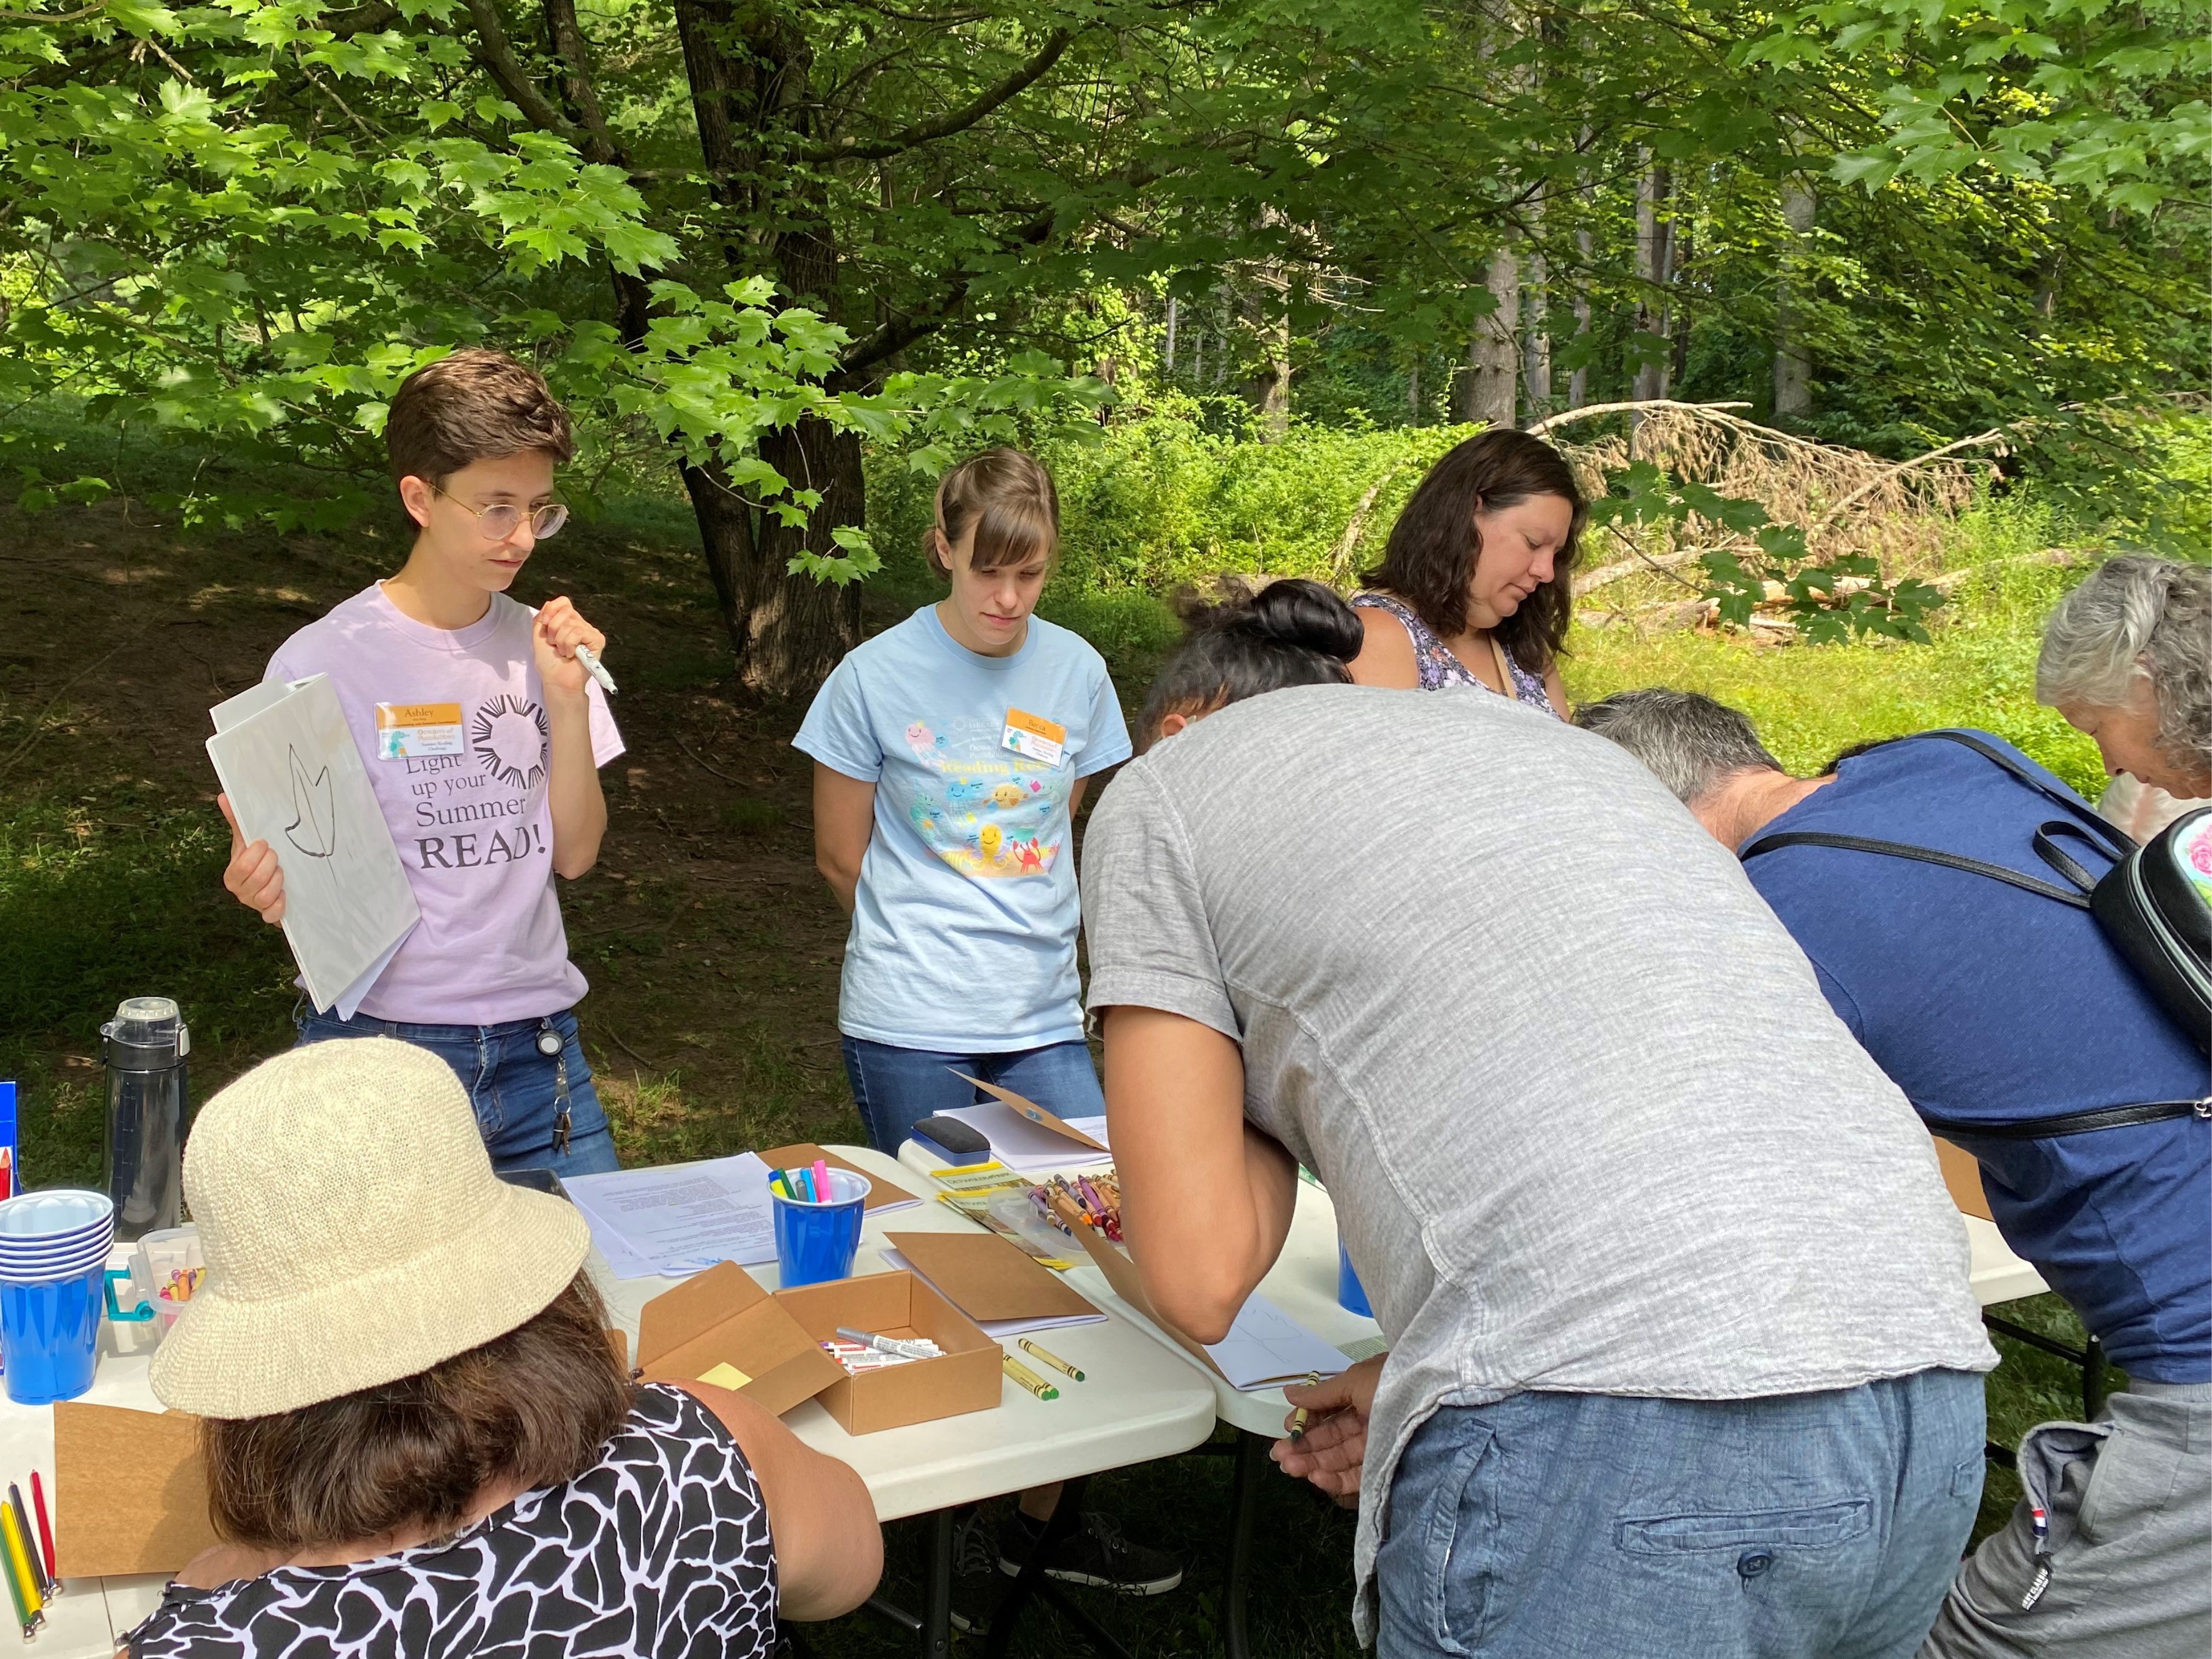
{"points": [[456, 1465]]}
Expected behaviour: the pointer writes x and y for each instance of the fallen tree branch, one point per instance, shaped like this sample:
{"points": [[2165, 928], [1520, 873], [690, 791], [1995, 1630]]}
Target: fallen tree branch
{"points": [[1589, 411], [702, 765], [1606, 574], [1996, 433], [2057, 555], [1340, 555]]}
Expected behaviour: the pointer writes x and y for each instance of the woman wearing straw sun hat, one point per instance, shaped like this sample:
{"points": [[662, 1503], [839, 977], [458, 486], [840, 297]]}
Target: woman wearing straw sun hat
{"points": [[414, 1429]]}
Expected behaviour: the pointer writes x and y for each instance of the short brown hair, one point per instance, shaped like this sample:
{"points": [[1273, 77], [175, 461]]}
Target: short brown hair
{"points": [[536, 1405], [1008, 496], [473, 405], [1430, 556]]}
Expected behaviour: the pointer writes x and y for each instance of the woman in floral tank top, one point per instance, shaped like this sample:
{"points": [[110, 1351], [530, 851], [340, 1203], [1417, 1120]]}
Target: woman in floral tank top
{"points": [[1476, 584]]}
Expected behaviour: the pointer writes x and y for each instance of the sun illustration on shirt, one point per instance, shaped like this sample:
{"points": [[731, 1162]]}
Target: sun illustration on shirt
{"points": [[509, 735]]}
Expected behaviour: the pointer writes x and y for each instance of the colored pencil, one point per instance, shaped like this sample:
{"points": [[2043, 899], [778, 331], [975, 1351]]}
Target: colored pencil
{"points": [[19, 1568], [30, 1541], [45, 1529]]}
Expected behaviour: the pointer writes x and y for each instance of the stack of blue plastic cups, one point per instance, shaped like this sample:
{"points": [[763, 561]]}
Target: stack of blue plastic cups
{"points": [[54, 1260]]}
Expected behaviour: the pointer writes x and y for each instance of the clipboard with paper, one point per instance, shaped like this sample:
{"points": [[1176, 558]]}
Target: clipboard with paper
{"points": [[287, 759], [1265, 1347]]}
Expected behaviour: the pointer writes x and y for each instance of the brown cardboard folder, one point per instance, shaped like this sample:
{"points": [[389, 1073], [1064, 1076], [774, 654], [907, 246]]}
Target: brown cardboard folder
{"points": [[721, 1317], [1035, 1113], [880, 1191], [1128, 1284], [130, 1491], [988, 1278]]}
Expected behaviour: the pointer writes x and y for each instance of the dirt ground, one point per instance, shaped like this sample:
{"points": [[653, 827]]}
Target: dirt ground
{"points": [[711, 944]]}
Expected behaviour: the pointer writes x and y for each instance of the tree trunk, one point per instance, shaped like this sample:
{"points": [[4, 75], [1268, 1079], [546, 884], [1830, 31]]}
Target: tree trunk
{"points": [[796, 627], [1536, 338], [1654, 262], [1793, 358], [1269, 390], [1413, 391], [1167, 354], [1578, 382], [1493, 356]]}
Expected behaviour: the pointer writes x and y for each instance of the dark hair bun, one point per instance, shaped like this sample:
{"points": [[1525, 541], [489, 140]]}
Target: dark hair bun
{"points": [[1295, 611]]}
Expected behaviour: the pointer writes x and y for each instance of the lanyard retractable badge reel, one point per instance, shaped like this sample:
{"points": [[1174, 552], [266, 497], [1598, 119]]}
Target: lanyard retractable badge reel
{"points": [[551, 1045]]}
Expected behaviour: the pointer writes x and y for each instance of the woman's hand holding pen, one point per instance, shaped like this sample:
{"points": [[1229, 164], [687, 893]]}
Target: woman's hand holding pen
{"points": [[554, 638], [253, 876], [1334, 1442]]}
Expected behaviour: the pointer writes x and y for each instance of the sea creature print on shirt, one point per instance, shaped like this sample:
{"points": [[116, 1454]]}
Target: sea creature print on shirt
{"points": [[987, 810]]}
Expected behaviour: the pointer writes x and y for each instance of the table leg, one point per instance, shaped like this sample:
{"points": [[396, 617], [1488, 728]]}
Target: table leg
{"points": [[1243, 1502], [937, 1620], [2093, 1380], [1031, 1577]]}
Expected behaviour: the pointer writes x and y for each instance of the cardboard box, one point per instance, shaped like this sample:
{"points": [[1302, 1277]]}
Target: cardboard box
{"points": [[721, 1317], [966, 1378], [130, 1491], [988, 1278]]}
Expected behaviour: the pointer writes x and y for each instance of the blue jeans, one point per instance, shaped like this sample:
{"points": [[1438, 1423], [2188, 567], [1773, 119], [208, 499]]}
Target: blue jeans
{"points": [[515, 1090], [897, 1088], [1561, 1526]]}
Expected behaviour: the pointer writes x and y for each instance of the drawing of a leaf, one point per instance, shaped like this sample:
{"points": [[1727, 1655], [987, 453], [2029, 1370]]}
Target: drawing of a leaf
{"points": [[314, 828]]}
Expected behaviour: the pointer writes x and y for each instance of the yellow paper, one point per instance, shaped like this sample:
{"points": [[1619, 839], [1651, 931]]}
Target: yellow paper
{"points": [[727, 1375]]}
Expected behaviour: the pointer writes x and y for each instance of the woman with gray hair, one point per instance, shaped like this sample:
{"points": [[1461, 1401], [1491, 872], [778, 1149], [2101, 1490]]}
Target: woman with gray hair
{"points": [[2127, 660]]}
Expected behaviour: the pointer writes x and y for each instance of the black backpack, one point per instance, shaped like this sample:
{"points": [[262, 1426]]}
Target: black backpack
{"points": [[2145, 903]]}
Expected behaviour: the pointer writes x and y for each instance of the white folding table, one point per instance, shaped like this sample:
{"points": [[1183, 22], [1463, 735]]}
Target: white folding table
{"points": [[1141, 1401], [1303, 1284]]}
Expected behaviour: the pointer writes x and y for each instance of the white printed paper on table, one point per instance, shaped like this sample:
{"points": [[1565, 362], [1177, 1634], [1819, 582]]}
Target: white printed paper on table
{"points": [[681, 1221], [286, 758]]}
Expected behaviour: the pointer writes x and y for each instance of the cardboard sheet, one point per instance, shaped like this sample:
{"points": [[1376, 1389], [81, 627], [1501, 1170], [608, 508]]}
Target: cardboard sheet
{"points": [[1265, 1346], [1034, 1113], [988, 1278], [882, 1194], [130, 1492], [1962, 1174]]}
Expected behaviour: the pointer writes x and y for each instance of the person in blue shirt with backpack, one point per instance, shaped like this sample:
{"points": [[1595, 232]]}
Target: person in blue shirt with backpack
{"points": [[2020, 1032]]}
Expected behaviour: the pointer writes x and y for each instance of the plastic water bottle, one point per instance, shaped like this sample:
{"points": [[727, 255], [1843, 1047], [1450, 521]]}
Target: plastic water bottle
{"points": [[145, 1047]]}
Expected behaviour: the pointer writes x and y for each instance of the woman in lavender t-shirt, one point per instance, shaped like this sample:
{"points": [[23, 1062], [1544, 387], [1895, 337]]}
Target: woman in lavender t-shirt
{"points": [[482, 736]]}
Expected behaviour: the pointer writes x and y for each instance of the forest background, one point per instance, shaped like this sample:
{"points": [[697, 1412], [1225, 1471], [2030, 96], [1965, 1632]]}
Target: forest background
{"points": [[1908, 294]]}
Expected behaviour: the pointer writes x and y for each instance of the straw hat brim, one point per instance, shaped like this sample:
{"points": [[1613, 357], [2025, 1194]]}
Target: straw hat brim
{"points": [[227, 1357]]}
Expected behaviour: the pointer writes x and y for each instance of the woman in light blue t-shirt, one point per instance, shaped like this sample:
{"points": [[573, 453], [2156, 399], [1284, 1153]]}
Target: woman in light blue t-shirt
{"points": [[951, 752]]}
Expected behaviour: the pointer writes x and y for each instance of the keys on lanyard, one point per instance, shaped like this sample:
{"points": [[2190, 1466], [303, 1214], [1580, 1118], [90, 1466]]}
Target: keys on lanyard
{"points": [[551, 1045]]}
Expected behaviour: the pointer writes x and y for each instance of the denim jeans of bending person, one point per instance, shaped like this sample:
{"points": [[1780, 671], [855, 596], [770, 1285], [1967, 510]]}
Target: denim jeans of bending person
{"points": [[515, 1087], [1560, 1526], [897, 1088]]}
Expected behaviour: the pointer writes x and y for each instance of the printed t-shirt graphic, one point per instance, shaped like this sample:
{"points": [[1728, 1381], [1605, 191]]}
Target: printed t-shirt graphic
{"points": [[965, 916], [985, 809], [452, 728]]}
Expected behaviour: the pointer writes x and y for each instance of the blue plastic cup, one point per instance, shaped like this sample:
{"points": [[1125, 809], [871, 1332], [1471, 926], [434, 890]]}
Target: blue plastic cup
{"points": [[1350, 1295], [816, 1242], [50, 1336]]}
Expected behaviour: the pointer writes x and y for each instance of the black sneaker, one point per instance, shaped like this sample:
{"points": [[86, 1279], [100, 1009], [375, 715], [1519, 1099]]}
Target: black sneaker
{"points": [[978, 1586], [1096, 1552]]}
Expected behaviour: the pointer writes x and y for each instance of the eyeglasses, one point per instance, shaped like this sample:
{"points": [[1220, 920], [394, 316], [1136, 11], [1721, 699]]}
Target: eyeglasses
{"points": [[497, 522]]}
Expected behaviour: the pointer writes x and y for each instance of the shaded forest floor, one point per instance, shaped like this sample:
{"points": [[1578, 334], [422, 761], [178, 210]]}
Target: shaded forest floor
{"points": [[711, 944]]}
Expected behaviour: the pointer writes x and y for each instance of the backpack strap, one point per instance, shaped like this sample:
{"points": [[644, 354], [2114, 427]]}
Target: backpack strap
{"points": [[2117, 843], [1898, 850], [2072, 1123]]}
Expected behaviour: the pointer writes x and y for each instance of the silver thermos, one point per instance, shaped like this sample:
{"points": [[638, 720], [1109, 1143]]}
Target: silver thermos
{"points": [[145, 1047]]}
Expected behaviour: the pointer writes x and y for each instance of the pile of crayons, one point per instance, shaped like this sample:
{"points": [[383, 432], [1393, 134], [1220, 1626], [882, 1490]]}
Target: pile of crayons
{"points": [[29, 1560], [1099, 1198], [804, 1186]]}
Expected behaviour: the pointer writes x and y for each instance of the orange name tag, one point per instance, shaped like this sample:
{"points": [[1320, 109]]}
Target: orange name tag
{"points": [[404, 729], [1033, 735]]}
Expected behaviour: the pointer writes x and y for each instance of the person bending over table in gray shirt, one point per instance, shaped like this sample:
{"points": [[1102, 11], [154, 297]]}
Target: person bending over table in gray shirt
{"points": [[1682, 1346], [2017, 1031]]}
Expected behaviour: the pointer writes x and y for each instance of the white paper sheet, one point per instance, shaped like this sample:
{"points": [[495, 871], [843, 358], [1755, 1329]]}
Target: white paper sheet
{"points": [[1265, 1348], [1030, 1148], [288, 762], [999, 1329], [678, 1221]]}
